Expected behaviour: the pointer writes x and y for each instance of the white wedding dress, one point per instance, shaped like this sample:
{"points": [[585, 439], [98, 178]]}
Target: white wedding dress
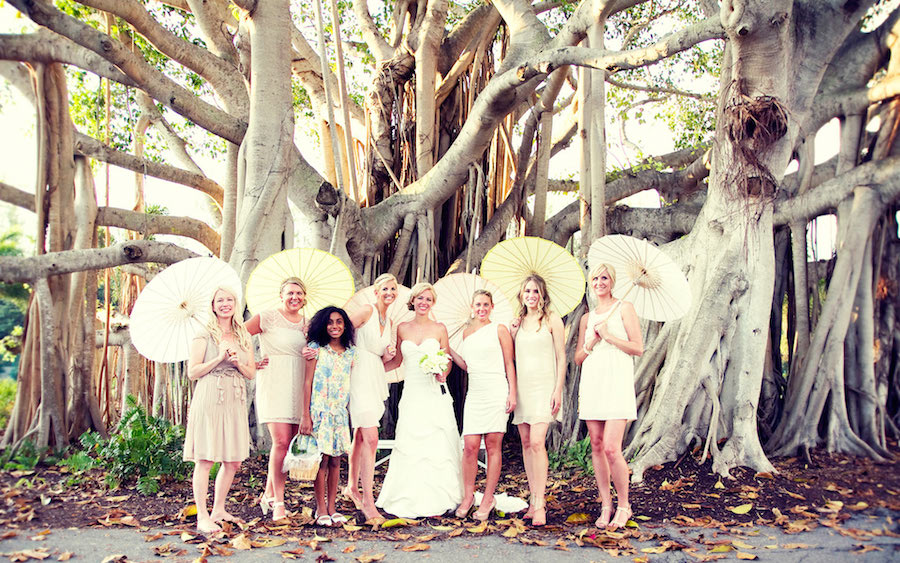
{"points": [[423, 477]]}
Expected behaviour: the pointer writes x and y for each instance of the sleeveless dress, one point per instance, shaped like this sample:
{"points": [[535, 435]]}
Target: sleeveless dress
{"points": [[368, 386], [423, 476], [606, 391], [329, 398], [279, 386], [218, 428], [535, 375], [485, 407]]}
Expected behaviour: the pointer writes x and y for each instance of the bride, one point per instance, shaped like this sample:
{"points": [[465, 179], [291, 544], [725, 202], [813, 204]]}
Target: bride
{"points": [[423, 477]]}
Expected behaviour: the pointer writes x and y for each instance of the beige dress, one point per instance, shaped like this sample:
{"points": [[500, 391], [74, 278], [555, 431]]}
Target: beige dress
{"points": [[279, 386], [606, 391], [535, 375], [217, 427]]}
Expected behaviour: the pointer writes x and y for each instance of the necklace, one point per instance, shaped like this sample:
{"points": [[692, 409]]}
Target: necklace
{"points": [[382, 320]]}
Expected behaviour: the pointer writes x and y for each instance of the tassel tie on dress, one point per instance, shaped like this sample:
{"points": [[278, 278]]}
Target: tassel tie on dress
{"points": [[237, 384]]}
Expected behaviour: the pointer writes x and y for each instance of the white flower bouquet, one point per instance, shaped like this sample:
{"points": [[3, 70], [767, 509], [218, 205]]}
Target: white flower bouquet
{"points": [[435, 363]]}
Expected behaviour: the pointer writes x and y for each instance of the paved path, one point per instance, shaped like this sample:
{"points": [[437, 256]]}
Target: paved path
{"points": [[861, 539]]}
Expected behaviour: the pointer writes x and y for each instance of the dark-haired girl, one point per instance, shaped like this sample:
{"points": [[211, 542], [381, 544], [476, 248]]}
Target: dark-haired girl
{"points": [[325, 398]]}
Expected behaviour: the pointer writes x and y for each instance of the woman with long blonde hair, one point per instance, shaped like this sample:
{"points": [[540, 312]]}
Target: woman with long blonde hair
{"points": [[279, 391], [368, 391], [217, 427], [608, 340], [539, 337]]}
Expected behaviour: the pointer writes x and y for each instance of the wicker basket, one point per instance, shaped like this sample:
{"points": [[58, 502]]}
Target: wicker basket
{"points": [[301, 462]]}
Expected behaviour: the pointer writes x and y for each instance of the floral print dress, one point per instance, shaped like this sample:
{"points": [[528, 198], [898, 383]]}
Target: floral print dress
{"points": [[329, 399]]}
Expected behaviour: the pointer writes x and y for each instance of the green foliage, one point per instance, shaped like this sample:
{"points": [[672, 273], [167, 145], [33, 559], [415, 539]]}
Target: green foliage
{"points": [[24, 458], [576, 456], [7, 399], [143, 447]]}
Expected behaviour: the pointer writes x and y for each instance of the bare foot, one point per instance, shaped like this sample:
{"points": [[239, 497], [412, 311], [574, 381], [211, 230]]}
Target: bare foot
{"points": [[223, 516], [207, 526], [353, 494], [529, 514]]}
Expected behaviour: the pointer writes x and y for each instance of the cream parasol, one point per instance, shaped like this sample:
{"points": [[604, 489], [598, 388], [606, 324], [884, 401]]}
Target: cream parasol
{"points": [[328, 280], [397, 312], [176, 305], [511, 261], [454, 303], [645, 276]]}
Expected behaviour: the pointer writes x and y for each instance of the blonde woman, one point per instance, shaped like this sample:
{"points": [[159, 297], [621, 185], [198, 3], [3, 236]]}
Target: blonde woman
{"points": [[486, 353], [217, 427], [279, 391], [608, 340], [368, 391], [539, 338], [423, 477]]}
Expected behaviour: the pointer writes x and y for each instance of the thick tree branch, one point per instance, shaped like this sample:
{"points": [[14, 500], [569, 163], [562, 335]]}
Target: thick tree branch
{"points": [[88, 146], [224, 77], [882, 175], [17, 197], [148, 224], [21, 270], [370, 32], [850, 103], [154, 82], [46, 47]]}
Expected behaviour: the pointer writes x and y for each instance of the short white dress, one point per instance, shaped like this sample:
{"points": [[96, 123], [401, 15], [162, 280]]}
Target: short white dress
{"points": [[606, 391], [485, 407], [535, 375], [368, 386], [279, 386]]}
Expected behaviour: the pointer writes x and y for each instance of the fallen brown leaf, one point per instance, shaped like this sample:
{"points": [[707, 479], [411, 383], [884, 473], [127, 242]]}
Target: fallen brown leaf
{"points": [[416, 547]]}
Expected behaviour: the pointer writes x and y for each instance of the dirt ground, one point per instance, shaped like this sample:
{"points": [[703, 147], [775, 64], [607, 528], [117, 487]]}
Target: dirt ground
{"points": [[798, 497]]}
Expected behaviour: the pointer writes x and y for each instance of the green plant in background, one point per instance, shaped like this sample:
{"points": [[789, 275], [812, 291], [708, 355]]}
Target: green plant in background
{"points": [[7, 399], [576, 456], [143, 447]]}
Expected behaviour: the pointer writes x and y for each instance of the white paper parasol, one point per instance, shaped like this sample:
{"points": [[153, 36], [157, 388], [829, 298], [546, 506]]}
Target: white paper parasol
{"points": [[176, 305], [328, 280], [454, 303], [397, 312], [511, 261], [645, 276]]}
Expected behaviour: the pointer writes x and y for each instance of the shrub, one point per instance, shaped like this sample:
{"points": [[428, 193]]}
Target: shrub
{"points": [[7, 399], [577, 455], [142, 446]]}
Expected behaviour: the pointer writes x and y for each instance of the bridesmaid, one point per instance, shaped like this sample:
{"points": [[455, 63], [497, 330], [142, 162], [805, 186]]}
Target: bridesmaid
{"points": [[486, 353], [539, 338], [608, 339], [279, 391], [368, 391], [217, 430]]}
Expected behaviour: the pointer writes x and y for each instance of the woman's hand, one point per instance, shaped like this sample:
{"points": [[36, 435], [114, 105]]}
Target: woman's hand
{"points": [[309, 353], [602, 330], [555, 401], [263, 363], [441, 377], [306, 425], [510, 403], [389, 352]]}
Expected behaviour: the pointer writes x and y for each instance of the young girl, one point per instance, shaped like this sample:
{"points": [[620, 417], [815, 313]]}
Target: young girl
{"points": [[325, 399]]}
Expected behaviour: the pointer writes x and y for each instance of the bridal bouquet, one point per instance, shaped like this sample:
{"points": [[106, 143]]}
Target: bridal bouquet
{"points": [[435, 363]]}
